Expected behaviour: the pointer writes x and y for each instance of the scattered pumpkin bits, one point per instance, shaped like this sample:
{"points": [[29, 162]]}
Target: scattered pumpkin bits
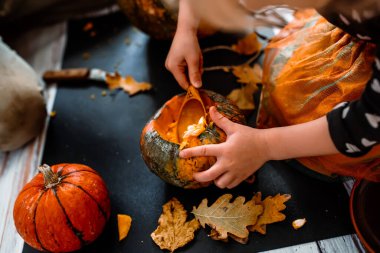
{"points": [[192, 132], [128, 84], [53, 114], [173, 230], [297, 224], [124, 224]]}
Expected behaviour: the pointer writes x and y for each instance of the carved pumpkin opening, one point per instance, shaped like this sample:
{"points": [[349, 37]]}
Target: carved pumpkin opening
{"points": [[166, 122]]}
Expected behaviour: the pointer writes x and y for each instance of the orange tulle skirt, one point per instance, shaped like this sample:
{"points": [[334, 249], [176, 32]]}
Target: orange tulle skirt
{"points": [[310, 67]]}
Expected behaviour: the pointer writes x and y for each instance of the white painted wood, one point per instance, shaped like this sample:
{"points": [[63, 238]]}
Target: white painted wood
{"points": [[44, 50], [311, 247], [344, 244]]}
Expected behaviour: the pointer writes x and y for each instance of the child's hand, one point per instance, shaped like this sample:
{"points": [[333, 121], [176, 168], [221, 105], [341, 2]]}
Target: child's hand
{"points": [[185, 60], [243, 153]]}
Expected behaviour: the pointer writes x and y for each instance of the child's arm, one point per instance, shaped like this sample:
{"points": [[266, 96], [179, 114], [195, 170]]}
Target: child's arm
{"points": [[184, 59]]}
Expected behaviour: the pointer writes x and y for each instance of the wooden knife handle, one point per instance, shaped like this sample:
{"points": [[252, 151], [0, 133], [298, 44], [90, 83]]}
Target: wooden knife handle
{"points": [[66, 75]]}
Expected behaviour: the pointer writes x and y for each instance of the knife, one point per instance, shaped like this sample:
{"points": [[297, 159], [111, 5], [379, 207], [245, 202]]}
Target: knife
{"points": [[75, 74], [113, 80]]}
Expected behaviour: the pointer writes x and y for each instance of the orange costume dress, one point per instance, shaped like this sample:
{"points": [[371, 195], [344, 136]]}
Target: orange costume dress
{"points": [[314, 68]]}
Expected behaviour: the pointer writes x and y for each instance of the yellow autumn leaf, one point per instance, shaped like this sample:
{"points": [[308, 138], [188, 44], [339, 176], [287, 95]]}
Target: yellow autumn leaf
{"points": [[247, 45], [243, 97], [228, 218], [128, 83], [124, 224], [248, 74], [271, 214], [173, 230]]}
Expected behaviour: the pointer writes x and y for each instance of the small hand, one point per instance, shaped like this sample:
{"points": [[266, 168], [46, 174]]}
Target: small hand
{"points": [[185, 59], [243, 153]]}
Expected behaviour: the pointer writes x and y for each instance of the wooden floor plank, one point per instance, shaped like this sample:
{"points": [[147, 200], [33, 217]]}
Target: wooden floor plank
{"points": [[344, 244], [18, 167], [311, 247]]}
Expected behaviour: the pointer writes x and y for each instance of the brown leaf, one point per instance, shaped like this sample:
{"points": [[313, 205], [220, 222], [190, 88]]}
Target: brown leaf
{"points": [[248, 45], [243, 97], [128, 84], [173, 231], [227, 218], [271, 214], [248, 74], [217, 237]]}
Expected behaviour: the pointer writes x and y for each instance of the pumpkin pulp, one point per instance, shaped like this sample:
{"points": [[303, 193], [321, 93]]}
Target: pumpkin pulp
{"points": [[192, 110], [172, 120]]}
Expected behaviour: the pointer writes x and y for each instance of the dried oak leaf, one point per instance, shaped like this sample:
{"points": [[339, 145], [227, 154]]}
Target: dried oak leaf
{"points": [[247, 45], [243, 97], [128, 84], [228, 219], [271, 214], [124, 224], [173, 231], [248, 74]]}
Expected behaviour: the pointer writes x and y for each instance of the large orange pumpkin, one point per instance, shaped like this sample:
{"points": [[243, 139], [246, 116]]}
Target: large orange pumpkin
{"points": [[62, 208], [160, 150]]}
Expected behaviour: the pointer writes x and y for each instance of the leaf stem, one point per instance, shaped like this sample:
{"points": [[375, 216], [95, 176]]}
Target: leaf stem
{"points": [[219, 47], [248, 62]]}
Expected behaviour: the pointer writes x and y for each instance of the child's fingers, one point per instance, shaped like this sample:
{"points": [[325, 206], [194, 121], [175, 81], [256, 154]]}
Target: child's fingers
{"points": [[204, 150], [225, 124], [224, 180], [194, 65], [180, 76], [234, 183], [210, 174]]}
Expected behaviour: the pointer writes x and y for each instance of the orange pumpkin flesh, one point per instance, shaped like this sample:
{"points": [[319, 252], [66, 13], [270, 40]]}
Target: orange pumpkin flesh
{"points": [[160, 147], [62, 208]]}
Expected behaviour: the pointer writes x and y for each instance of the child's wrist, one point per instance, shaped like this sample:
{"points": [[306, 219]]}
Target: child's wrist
{"points": [[272, 144], [186, 29]]}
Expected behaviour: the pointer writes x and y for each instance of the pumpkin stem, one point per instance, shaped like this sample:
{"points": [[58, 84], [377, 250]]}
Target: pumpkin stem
{"points": [[51, 179]]}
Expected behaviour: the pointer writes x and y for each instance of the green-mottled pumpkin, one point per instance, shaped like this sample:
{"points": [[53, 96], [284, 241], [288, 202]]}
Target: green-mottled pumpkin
{"points": [[160, 153], [157, 18]]}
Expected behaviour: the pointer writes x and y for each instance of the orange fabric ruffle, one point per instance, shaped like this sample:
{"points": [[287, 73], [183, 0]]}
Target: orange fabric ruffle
{"points": [[310, 67]]}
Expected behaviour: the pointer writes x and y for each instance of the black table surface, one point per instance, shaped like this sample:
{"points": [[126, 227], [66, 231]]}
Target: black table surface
{"points": [[103, 132]]}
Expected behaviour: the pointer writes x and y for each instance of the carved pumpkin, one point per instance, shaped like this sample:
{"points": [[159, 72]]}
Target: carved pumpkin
{"points": [[63, 208], [158, 18], [160, 149]]}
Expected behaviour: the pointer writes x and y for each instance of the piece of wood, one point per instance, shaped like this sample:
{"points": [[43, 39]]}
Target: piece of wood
{"points": [[346, 244], [52, 76]]}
